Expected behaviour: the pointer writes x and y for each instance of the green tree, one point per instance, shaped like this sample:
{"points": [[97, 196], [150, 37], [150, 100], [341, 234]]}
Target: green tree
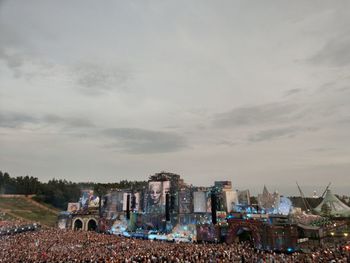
{"points": [[326, 210]]}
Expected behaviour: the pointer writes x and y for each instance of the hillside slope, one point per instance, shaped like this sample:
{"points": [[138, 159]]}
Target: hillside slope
{"points": [[25, 208]]}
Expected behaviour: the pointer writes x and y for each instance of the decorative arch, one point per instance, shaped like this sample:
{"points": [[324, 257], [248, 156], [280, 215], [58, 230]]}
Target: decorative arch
{"points": [[78, 224], [253, 226], [92, 225]]}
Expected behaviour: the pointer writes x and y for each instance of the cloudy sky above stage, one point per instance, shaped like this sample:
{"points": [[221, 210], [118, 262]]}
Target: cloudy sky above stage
{"points": [[256, 92]]}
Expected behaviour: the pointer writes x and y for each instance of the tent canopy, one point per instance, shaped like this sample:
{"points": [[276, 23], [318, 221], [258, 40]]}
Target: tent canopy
{"points": [[335, 206]]}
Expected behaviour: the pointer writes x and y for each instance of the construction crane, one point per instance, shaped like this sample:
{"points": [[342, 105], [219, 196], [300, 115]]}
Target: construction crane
{"points": [[306, 203], [325, 191]]}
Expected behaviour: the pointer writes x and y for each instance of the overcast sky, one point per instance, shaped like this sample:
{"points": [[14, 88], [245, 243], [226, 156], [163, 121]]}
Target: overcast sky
{"points": [[257, 92]]}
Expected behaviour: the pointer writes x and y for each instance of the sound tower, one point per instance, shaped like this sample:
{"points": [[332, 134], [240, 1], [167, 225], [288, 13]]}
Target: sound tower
{"points": [[213, 207], [128, 207], [167, 207], [172, 203], [133, 202]]}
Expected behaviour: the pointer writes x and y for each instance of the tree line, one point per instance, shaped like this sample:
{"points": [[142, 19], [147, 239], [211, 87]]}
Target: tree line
{"points": [[58, 192]]}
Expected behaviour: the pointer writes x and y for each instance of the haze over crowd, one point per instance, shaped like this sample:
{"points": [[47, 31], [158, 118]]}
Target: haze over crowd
{"points": [[253, 92]]}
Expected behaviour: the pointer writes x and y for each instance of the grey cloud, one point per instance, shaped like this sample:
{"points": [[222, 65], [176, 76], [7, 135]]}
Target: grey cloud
{"points": [[283, 132], [343, 89], [138, 141], [24, 65], [52, 118], [330, 100], [327, 86], [172, 127], [201, 126], [14, 61], [321, 149], [68, 122], [261, 114], [95, 79], [227, 143], [335, 52], [345, 121], [10, 43], [273, 134], [9, 36], [335, 86], [79, 122], [14, 120], [293, 91]]}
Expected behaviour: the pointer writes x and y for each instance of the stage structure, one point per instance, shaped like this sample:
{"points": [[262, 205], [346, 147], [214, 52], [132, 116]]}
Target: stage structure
{"points": [[168, 208]]}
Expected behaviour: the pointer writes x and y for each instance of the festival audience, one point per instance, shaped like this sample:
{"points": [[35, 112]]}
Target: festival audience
{"points": [[9, 224], [54, 245]]}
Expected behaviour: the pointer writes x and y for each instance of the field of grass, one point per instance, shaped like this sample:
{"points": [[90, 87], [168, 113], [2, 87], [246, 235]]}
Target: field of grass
{"points": [[23, 208], [4, 216]]}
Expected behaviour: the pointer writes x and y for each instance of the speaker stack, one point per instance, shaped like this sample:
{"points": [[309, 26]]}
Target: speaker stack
{"points": [[128, 207], [167, 207], [213, 207]]}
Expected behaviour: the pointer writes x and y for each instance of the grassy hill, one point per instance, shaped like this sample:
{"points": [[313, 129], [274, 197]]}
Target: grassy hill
{"points": [[23, 207]]}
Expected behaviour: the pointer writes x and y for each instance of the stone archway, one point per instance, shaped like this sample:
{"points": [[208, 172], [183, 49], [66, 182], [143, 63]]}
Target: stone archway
{"points": [[238, 226], [92, 225], [245, 235], [78, 224]]}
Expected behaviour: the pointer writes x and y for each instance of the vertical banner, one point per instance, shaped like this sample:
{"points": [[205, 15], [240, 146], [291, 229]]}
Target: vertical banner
{"points": [[156, 196], [125, 201], [185, 201], [200, 202]]}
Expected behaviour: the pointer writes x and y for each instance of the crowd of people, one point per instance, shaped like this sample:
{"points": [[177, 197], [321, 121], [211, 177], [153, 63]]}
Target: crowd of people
{"points": [[54, 245], [9, 224]]}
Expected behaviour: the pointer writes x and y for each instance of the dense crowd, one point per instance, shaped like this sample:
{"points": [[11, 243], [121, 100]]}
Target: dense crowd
{"points": [[8, 224], [53, 245]]}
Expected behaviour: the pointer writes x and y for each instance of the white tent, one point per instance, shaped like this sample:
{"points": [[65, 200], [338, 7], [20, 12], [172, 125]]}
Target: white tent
{"points": [[336, 207]]}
